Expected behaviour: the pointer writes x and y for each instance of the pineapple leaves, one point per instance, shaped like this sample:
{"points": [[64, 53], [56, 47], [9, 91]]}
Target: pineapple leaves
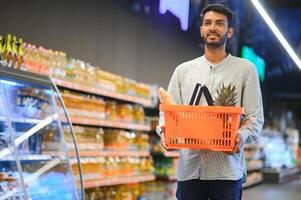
{"points": [[226, 96]]}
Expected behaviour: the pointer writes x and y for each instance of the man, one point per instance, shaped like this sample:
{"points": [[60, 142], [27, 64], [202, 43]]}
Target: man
{"points": [[205, 174]]}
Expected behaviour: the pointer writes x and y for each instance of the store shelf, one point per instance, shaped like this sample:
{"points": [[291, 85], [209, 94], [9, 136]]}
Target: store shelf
{"points": [[118, 181], [115, 95], [122, 153], [21, 120], [28, 158], [108, 123], [280, 175]]}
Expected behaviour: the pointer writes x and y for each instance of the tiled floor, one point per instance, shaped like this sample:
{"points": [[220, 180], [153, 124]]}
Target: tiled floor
{"points": [[284, 191]]}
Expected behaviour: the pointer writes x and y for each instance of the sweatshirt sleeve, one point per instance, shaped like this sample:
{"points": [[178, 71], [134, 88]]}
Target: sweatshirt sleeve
{"points": [[252, 103]]}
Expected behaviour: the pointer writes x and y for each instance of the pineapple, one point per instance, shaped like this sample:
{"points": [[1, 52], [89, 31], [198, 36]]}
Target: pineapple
{"points": [[226, 96]]}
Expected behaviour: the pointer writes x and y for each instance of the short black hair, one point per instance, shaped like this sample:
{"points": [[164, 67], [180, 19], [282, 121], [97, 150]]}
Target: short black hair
{"points": [[219, 8]]}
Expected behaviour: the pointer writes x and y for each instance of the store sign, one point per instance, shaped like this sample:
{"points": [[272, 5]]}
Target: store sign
{"points": [[179, 8]]}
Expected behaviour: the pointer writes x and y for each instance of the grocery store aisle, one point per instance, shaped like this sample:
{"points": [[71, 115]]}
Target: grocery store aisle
{"points": [[284, 191]]}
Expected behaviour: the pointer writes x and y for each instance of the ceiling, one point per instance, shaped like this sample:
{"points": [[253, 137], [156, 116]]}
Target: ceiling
{"points": [[278, 4]]}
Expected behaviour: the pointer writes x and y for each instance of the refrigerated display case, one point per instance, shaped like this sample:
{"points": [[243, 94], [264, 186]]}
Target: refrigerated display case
{"points": [[280, 151], [34, 162]]}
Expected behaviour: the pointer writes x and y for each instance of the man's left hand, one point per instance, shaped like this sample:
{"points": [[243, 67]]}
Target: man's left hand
{"points": [[237, 146]]}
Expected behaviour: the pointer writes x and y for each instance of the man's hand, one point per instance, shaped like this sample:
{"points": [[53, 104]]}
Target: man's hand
{"points": [[162, 141], [237, 146]]}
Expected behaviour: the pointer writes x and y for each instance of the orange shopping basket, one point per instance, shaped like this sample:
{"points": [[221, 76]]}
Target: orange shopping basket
{"points": [[201, 127]]}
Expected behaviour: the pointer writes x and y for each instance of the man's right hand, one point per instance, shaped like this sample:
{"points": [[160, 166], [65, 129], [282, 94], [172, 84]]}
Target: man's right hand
{"points": [[162, 141]]}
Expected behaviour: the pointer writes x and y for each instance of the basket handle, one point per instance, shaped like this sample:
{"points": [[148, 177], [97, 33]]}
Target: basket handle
{"points": [[195, 91], [197, 94]]}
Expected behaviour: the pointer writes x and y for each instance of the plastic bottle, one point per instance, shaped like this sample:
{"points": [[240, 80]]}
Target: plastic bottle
{"points": [[14, 51], [1, 46], [7, 51], [20, 60]]}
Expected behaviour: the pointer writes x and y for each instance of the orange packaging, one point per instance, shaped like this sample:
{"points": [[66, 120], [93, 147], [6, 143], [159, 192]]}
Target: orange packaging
{"points": [[201, 127]]}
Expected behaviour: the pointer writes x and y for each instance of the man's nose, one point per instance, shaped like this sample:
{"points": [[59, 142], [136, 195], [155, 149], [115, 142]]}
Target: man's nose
{"points": [[213, 27]]}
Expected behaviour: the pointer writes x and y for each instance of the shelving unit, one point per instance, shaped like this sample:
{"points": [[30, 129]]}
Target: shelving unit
{"points": [[100, 103], [280, 175], [254, 158], [107, 123], [167, 174]]}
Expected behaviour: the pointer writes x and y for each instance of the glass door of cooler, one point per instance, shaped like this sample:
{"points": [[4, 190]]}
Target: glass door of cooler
{"points": [[33, 152], [11, 180]]}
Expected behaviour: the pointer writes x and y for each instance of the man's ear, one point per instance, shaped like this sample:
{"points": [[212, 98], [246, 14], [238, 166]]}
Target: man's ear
{"points": [[230, 32], [201, 31]]}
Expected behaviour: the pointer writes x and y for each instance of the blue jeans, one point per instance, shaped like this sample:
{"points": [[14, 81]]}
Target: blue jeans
{"points": [[209, 189]]}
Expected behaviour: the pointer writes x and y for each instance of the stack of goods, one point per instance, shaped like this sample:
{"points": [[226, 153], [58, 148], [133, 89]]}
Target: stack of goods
{"points": [[293, 144], [115, 139], [44, 61], [125, 112], [155, 145], [84, 106], [50, 140], [276, 152], [92, 107], [165, 167], [29, 102], [113, 167], [56, 64], [4, 137], [87, 138], [11, 51], [122, 192], [7, 183], [94, 139], [136, 191], [159, 190]]}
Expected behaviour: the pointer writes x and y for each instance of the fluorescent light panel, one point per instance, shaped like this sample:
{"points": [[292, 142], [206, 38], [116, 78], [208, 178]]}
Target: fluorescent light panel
{"points": [[277, 32]]}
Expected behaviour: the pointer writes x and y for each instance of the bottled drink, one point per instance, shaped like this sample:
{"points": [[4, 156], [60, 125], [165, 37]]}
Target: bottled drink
{"points": [[7, 51], [20, 59], [14, 51], [1, 46]]}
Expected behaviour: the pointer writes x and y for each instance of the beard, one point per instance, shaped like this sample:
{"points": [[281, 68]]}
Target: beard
{"points": [[219, 43]]}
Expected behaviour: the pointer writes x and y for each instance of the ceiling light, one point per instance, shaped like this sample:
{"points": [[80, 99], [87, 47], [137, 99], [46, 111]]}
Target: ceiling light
{"points": [[277, 32]]}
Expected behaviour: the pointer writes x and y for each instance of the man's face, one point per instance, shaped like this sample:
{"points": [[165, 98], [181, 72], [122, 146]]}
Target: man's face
{"points": [[214, 29]]}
